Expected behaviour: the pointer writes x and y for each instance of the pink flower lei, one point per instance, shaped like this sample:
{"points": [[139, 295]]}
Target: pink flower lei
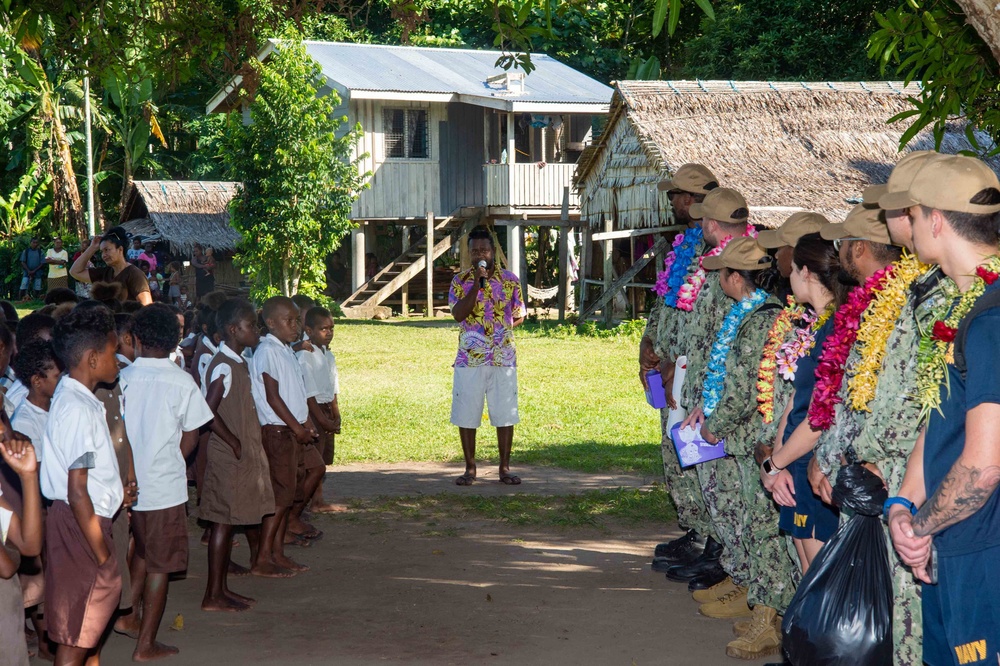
{"points": [[688, 293], [836, 348]]}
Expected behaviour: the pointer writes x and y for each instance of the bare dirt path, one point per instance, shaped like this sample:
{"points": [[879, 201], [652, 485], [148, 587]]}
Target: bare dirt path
{"points": [[402, 591]]}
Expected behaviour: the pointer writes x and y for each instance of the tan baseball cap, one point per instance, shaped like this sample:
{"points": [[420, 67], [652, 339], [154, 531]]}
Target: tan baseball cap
{"points": [[791, 230], [691, 177], [949, 183], [743, 253], [723, 205], [900, 178], [861, 224]]}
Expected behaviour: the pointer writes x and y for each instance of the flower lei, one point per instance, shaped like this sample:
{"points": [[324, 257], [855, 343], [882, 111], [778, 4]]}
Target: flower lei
{"points": [[688, 293], [936, 349], [715, 376], [676, 265], [873, 336], [830, 370], [766, 372], [792, 351]]}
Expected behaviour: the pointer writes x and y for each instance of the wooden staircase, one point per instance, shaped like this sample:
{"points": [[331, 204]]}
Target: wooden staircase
{"points": [[410, 263]]}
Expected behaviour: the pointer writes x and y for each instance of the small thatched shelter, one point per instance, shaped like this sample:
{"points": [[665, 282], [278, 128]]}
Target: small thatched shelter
{"points": [[183, 213], [785, 146]]}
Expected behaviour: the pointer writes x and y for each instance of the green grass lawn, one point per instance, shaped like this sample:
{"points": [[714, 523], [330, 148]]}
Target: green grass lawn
{"points": [[580, 401]]}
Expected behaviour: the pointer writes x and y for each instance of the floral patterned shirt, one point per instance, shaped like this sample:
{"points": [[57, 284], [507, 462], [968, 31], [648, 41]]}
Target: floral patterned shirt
{"points": [[486, 336]]}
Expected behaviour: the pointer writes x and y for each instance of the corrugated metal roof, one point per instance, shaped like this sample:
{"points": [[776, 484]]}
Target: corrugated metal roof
{"points": [[450, 71]]}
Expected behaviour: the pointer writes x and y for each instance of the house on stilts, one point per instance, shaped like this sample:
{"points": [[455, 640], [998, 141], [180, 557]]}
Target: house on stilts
{"points": [[785, 146], [452, 141]]}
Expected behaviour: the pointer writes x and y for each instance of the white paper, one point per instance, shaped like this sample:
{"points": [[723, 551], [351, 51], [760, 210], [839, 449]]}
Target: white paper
{"points": [[677, 415]]}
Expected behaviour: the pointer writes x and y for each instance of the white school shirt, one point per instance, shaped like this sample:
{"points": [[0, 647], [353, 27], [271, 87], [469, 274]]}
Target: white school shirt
{"points": [[163, 402], [223, 370], [77, 436], [5, 517], [203, 361], [316, 374], [334, 378], [29, 419], [277, 359], [17, 393]]}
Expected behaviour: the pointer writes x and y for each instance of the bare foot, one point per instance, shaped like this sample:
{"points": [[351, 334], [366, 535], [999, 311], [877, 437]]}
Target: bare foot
{"points": [[225, 604], [128, 625], [271, 570], [238, 570], [288, 563], [302, 529], [466, 479], [326, 507], [154, 652], [240, 598]]}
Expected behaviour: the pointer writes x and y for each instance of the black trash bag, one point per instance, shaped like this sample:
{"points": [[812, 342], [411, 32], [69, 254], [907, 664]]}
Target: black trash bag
{"points": [[841, 614]]}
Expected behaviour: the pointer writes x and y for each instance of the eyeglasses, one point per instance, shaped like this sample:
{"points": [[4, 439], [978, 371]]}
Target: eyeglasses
{"points": [[837, 242]]}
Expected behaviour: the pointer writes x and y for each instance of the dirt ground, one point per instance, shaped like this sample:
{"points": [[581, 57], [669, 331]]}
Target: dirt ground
{"points": [[458, 592]]}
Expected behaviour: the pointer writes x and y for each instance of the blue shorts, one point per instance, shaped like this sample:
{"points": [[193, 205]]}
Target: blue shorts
{"points": [[810, 518], [962, 612]]}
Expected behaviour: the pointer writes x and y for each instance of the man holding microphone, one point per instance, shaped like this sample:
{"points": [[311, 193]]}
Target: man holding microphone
{"points": [[487, 303]]}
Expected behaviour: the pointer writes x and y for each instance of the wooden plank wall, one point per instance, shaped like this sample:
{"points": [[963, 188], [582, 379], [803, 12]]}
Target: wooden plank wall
{"points": [[461, 138]]}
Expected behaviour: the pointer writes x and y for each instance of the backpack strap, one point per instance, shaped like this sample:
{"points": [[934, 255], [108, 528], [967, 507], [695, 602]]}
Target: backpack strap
{"points": [[987, 301]]}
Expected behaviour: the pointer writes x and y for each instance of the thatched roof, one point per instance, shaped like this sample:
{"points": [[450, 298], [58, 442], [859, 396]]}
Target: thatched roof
{"points": [[182, 213], [785, 146]]}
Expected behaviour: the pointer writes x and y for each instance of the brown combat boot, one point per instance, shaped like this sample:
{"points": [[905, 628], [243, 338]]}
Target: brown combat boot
{"points": [[732, 605], [762, 638], [715, 592]]}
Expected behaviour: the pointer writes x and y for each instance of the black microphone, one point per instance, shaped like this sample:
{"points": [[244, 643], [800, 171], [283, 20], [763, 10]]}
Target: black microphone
{"points": [[482, 281]]}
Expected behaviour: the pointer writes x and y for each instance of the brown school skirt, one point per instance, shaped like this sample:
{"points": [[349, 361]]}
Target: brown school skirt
{"points": [[13, 644], [326, 439], [161, 538], [80, 595], [120, 533], [283, 460], [237, 491]]}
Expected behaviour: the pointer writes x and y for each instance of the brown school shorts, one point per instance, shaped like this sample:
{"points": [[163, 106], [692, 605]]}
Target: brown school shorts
{"points": [[309, 459], [283, 459], [161, 538]]}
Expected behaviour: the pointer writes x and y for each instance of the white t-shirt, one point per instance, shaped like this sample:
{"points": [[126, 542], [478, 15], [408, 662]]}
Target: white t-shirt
{"points": [[5, 518], [223, 370], [17, 393], [29, 419], [161, 403], [203, 361], [55, 270], [316, 374], [277, 359], [77, 436]]}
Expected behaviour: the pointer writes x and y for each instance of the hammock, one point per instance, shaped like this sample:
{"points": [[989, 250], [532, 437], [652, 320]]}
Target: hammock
{"points": [[542, 294]]}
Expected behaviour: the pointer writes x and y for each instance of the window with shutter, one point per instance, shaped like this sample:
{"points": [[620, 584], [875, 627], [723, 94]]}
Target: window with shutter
{"points": [[406, 134]]}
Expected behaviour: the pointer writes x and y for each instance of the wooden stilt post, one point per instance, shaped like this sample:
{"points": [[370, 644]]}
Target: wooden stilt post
{"points": [[514, 257], [404, 291], [564, 255], [524, 263], [607, 244], [358, 256], [585, 261], [430, 264]]}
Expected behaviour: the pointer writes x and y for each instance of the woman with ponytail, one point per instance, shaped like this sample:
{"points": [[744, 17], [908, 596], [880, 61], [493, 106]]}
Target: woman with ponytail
{"points": [[113, 245]]}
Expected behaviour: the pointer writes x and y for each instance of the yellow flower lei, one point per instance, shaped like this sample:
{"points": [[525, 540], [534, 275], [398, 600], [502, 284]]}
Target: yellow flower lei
{"points": [[935, 354], [876, 326], [767, 371]]}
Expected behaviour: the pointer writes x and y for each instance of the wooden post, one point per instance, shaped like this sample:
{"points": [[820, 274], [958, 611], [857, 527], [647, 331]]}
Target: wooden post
{"points": [[609, 308], [563, 274], [523, 274], [514, 257], [464, 258], [511, 158], [358, 256], [585, 261], [404, 291], [430, 264]]}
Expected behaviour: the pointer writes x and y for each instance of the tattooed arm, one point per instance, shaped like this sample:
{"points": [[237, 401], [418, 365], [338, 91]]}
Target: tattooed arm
{"points": [[972, 479]]}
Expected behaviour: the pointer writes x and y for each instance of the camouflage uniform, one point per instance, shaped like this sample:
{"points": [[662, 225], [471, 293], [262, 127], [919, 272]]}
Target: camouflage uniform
{"points": [[671, 327], [755, 556], [885, 437]]}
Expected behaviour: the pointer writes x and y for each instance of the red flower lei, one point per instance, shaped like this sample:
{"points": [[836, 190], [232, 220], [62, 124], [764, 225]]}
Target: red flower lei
{"points": [[830, 370], [943, 332]]}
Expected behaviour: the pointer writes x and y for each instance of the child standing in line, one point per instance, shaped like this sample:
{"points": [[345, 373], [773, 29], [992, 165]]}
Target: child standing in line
{"points": [[79, 474], [280, 396], [165, 411], [319, 372], [174, 276], [20, 535], [237, 484]]}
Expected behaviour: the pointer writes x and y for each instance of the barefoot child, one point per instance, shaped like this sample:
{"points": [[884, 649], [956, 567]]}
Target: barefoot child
{"points": [[280, 396], [20, 535], [319, 372], [237, 483], [165, 411], [79, 475]]}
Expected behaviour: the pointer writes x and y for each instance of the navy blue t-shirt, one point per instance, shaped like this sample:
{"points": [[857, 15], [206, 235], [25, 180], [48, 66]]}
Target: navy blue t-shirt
{"points": [[945, 437], [805, 381]]}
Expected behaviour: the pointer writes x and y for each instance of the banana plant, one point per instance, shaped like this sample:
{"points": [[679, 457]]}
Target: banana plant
{"points": [[22, 209]]}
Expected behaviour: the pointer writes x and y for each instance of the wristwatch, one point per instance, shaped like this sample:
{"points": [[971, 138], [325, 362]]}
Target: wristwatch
{"points": [[769, 468]]}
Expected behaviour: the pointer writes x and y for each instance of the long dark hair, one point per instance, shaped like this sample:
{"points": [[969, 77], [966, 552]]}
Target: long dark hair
{"points": [[823, 261]]}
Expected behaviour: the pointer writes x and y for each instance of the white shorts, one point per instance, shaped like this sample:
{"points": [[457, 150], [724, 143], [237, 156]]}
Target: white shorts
{"points": [[497, 385]]}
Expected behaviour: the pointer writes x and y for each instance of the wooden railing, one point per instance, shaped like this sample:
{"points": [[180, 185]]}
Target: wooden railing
{"points": [[533, 185]]}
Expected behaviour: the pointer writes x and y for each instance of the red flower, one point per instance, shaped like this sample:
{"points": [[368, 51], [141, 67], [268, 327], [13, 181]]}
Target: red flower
{"points": [[943, 332], [988, 276]]}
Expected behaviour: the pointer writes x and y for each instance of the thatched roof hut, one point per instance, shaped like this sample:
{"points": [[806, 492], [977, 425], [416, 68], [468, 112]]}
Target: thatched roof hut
{"points": [[182, 213], [785, 146]]}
